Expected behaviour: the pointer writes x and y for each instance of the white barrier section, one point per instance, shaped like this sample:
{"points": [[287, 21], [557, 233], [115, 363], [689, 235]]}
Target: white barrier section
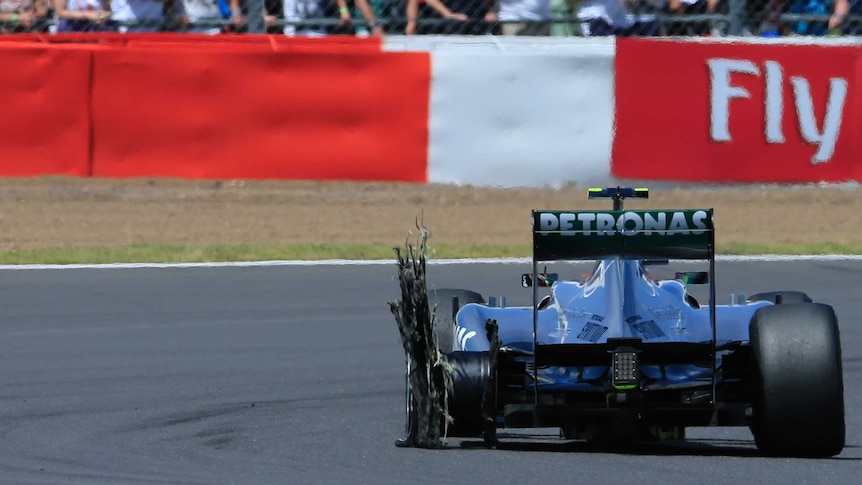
{"points": [[518, 111]]}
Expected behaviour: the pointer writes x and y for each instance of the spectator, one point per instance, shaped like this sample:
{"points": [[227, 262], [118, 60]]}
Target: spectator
{"points": [[194, 13], [563, 10], [458, 17], [482, 17], [138, 15], [689, 7], [418, 11], [304, 10], [767, 19], [526, 17], [841, 9], [83, 16], [817, 7], [271, 12], [22, 15], [614, 17], [369, 14], [839, 20]]}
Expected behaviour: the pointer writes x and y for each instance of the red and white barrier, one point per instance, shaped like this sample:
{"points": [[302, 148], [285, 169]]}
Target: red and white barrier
{"points": [[499, 111]]}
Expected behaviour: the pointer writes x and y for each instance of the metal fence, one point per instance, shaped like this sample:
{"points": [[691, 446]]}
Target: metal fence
{"points": [[765, 18]]}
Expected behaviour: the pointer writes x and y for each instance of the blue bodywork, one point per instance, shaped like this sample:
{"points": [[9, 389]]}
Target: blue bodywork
{"points": [[619, 300], [619, 354]]}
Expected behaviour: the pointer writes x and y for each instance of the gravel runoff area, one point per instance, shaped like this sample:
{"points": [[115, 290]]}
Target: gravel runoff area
{"points": [[58, 212]]}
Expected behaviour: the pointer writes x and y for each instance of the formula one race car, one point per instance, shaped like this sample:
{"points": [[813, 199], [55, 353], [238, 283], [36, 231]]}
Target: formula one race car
{"points": [[624, 355]]}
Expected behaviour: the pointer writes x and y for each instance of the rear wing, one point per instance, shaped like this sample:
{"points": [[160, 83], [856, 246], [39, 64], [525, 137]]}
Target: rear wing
{"points": [[632, 234], [629, 234]]}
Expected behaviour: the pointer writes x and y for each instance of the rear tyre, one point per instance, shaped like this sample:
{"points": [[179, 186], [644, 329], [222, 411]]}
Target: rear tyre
{"points": [[467, 370], [470, 373], [799, 389], [444, 304], [781, 297]]}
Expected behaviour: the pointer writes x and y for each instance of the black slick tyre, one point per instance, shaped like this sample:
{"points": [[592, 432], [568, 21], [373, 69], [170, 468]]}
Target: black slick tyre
{"points": [[470, 372], [444, 304], [799, 389]]}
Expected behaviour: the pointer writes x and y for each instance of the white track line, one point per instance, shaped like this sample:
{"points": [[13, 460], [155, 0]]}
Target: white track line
{"points": [[379, 262]]}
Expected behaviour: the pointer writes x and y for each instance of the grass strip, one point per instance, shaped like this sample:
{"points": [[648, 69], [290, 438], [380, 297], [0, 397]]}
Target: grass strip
{"points": [[156, 253]]}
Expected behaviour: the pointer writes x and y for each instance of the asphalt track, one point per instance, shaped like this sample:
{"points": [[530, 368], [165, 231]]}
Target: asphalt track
{"points": [[293, 374]]}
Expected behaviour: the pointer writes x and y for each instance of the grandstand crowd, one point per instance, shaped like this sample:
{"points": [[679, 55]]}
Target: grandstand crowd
{"points": [[766, 18]]}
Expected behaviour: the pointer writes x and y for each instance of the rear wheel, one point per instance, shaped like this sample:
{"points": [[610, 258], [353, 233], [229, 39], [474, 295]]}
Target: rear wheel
{"points": [[467, 369], [799, 389], [470, 372]]}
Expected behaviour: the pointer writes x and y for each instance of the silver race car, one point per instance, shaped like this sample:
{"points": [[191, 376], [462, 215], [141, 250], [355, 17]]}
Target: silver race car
{"points": [[621, 354]]}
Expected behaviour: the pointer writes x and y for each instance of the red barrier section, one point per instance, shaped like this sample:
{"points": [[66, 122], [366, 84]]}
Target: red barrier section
{"points": [[239, 114], [710, 111], [45, 126], [213, 107]]}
